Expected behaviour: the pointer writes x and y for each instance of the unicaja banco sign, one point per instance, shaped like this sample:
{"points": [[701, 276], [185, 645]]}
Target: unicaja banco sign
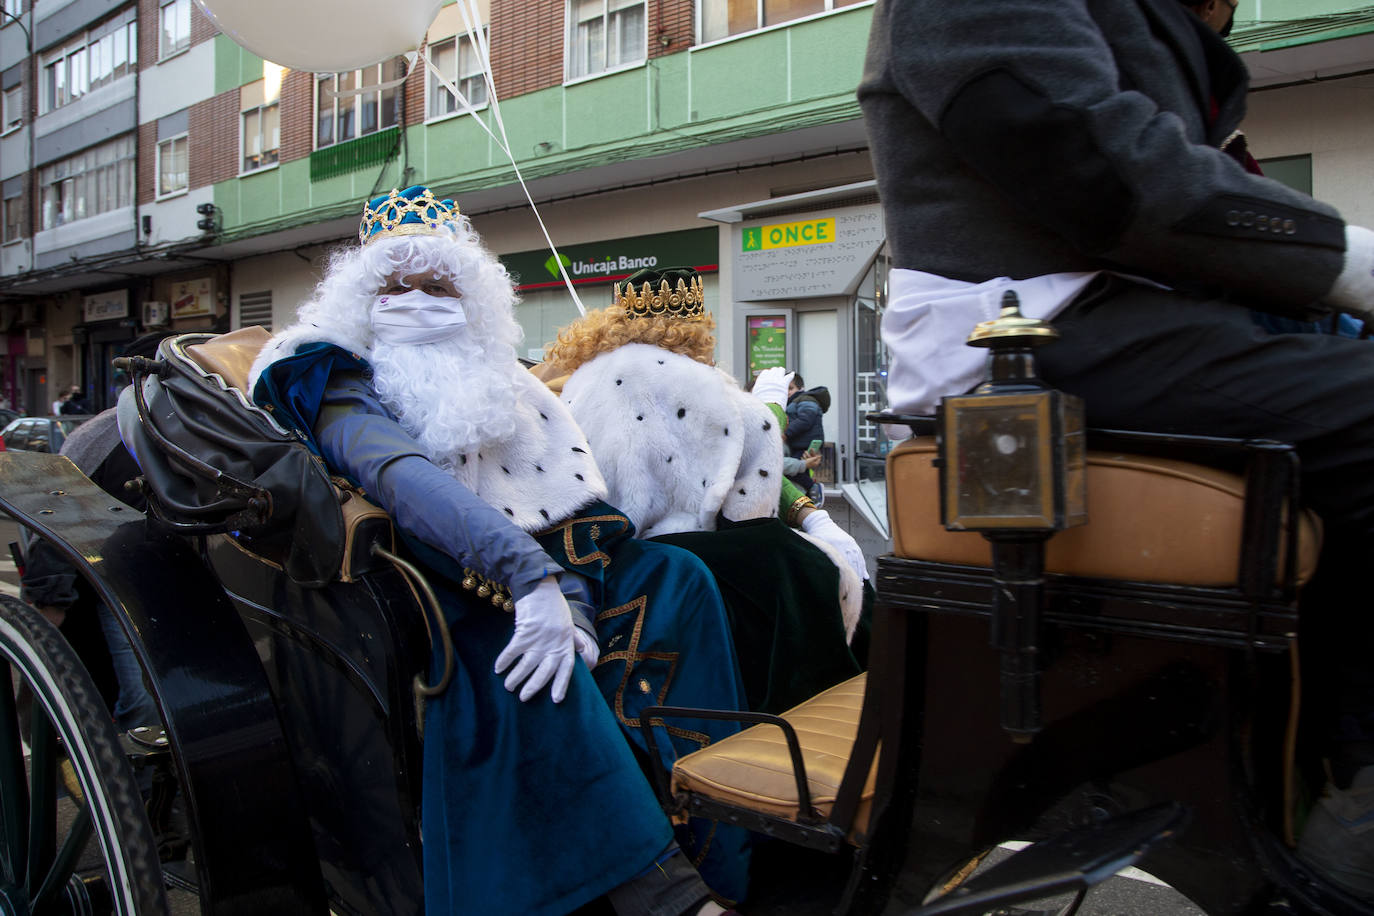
{"points": [[616, 259], [608, 266]]}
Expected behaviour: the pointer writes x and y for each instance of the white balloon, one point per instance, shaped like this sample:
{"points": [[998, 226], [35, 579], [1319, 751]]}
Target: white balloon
{"points": [[324, 35]]}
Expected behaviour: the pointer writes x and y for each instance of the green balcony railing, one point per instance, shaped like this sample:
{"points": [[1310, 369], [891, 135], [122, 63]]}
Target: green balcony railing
{"points": [[351, 155]]}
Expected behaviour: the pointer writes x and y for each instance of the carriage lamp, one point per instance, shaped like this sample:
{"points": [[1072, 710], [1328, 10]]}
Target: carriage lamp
{"points": [[1012, 467]]}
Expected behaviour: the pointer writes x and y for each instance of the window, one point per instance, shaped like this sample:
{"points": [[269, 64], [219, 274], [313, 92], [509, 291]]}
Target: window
{"points": [[172, 165], [13, 114], [96, 59], [13, 7], [94, 181], [260, 119], [723, 18], [1294, 171], [456, 59], [604, 34], [261, 136], [14, 217], [175, 35], [357, 102]]}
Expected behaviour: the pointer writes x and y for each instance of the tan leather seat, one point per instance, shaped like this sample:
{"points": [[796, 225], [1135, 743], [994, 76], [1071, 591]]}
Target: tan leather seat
{"points": [[231, 355], [753, 770], [1149, 520]]}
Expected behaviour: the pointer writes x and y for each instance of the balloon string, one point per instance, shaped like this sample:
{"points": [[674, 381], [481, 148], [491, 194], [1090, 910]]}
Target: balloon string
{"points": [[502, 142]]}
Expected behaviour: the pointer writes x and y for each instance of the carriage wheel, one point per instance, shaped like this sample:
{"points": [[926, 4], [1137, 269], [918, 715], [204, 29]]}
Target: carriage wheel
{"points": [[74, 837]]}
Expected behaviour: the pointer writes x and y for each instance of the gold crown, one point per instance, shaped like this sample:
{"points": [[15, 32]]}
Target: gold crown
{"points": [[683, 301], [415, 211]]}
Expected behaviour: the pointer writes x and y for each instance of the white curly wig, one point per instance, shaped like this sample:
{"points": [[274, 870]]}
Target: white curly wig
{"points": [[452, 394]]}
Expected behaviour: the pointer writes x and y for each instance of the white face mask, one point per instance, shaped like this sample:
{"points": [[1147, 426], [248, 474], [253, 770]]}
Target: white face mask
{"points": [[416, 317]]}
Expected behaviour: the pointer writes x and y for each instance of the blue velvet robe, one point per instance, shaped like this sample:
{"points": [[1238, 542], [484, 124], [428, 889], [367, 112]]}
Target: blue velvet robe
{"points": [[536, 807]]}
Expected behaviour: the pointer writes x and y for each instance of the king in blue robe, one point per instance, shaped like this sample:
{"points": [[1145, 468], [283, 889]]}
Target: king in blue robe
{"points": [[539, 806]]}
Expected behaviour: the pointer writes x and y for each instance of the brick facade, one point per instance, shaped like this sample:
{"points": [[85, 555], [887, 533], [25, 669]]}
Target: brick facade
{"points": [[214, 135], [297, 115], [526, 45], [674, 20]]}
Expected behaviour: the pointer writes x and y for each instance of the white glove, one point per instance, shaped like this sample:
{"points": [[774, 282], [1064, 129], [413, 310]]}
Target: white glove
{"points": [[1354, 288], [770, 386], [818, 524], [543, 642], [586, 646]]}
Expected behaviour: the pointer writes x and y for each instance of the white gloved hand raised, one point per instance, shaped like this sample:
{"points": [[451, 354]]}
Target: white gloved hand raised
{"points": [[770, 386], [585, 644], [543, 643], [819, 524], [1354, 288]]}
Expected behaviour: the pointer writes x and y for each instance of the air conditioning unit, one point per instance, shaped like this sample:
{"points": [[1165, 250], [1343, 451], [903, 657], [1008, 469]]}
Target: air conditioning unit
{"points": [[155, 314]]}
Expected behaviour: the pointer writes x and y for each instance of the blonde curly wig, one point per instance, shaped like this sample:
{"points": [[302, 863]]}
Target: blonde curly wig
{"points": [[607, 329]]}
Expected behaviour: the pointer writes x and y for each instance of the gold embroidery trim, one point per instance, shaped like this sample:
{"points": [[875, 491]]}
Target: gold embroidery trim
{"points": [[630, 655]]}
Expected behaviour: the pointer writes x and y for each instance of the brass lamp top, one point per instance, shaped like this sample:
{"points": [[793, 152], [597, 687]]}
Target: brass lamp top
{"points": [[1011, 325]]}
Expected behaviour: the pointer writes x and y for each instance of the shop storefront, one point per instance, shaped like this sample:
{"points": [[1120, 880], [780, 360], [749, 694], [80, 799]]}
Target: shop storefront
{"points": [[107, 325], [807, 278]]}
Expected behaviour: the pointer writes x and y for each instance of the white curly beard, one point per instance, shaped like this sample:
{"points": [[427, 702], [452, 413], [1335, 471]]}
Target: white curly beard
{"points": [[453, 396]]}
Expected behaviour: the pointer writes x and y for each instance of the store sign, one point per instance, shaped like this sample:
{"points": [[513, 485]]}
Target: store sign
{"points": [[788, 235], [767, 343], [802, 259], [605, 262], [191, 298], [106, 306]]}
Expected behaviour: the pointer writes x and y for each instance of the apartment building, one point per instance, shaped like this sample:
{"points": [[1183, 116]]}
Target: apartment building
{"points": [[156, 174]]}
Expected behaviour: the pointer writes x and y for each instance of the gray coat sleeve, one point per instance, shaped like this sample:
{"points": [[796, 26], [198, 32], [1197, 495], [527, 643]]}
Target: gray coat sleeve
{"points": [[359, 437], [1092, 121]]}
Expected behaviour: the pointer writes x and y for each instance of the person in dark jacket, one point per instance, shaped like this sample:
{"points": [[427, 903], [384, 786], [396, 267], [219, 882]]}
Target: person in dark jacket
{"points": [[75, 404], [804, 423], [1072, 151]]}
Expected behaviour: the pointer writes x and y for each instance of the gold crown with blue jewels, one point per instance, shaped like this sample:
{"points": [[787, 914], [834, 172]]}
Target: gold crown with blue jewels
{"points": [[414, 211], [673, 292]]}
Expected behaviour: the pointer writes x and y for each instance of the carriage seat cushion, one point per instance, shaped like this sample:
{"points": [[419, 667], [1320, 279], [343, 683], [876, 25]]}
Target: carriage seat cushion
{"points": [[753, 770], [1149, 520], [231, 355]]}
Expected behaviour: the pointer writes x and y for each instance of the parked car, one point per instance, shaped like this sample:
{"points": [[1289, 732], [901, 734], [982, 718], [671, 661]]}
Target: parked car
{"points": [[7, 416], [39, 434]]}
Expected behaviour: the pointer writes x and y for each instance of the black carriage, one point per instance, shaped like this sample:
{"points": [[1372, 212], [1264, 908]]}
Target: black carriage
{"points": [[281, 634]]}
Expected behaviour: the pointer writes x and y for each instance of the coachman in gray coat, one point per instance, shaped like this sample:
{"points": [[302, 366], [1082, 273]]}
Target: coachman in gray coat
{"points": [[1072, 149]]}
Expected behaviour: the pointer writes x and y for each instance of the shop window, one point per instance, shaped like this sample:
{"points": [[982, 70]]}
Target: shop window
{"points": [[1294, 171], [455, 58], [723, 18], [604, 35]]}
